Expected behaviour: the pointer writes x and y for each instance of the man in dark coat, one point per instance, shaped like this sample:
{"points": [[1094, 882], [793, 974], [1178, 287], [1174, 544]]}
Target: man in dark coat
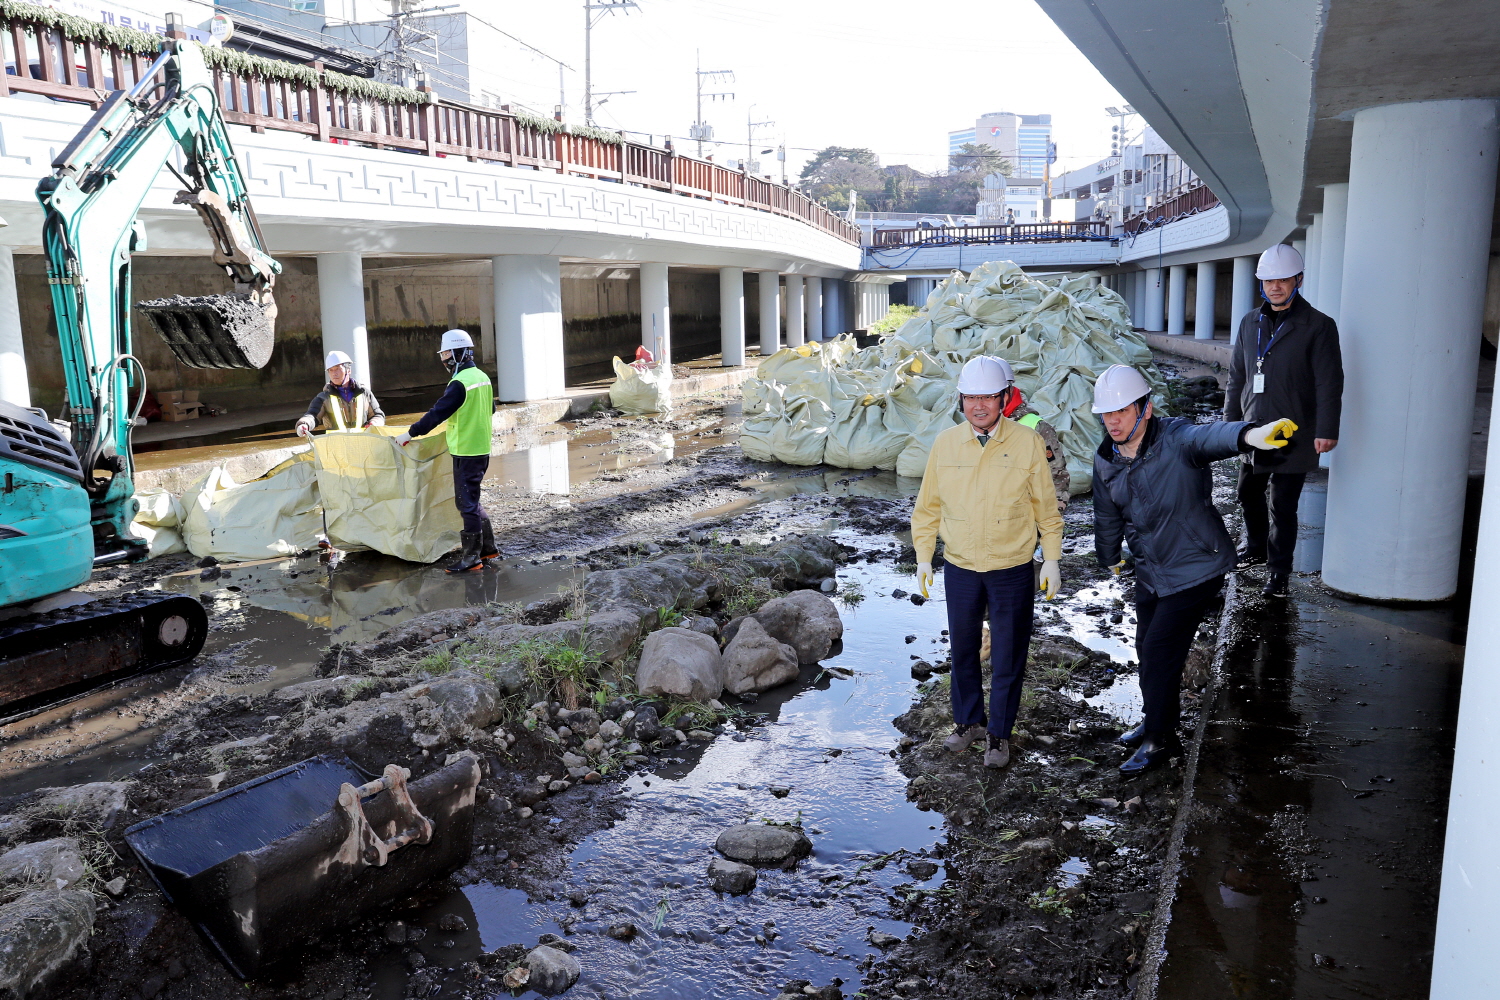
{"points": [[1286, 363]]}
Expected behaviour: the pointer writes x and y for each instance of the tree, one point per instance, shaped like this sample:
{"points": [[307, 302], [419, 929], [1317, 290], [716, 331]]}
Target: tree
{"points": [[980, 160], [865, 157], [832, 173]]}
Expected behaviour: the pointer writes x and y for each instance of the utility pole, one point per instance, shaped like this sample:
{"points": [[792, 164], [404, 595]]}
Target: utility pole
{"points": [[398, 64], [701, 129], [750, 126], [604, 7]]}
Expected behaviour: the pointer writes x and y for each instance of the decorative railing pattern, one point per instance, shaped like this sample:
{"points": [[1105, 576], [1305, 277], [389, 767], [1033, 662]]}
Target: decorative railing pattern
{"points": [[84, 67], [1199, 199], [1046, 232]]}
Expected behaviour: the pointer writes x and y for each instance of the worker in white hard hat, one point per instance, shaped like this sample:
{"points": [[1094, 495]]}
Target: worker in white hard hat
{"points": [[1286, 363], [467, 405], [988, 493], [343, 404], [1153, 490]]}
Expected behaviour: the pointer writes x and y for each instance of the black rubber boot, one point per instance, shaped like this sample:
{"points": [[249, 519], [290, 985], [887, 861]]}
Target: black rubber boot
{"points": [[1132, 737], [487, 550], [468, 559], [1276, 584], [1154, 751]]}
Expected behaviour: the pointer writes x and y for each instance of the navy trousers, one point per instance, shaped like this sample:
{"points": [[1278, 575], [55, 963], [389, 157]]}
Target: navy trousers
{"points": [[1008, 597], [1164, 630], [1271, 531], [468, 473]]}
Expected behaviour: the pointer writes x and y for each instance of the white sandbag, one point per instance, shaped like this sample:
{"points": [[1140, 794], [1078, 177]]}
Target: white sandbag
{"points": [[275, 515], [863, 440], [641, 390], [159, 541], [157, 523], [382, 496]]}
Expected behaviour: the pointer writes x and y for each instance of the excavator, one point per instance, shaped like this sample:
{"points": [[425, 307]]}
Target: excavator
{"points": [[68, 487]]}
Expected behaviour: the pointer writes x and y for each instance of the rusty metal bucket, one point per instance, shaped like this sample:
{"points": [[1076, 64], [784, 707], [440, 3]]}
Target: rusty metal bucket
{"points": [[214, 331], [266, 867]]}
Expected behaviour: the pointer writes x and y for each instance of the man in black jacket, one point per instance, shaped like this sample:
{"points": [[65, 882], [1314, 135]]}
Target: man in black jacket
{"points": [[1153, 489], [1286, 363]]}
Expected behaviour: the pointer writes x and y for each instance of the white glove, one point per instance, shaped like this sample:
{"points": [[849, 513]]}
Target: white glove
{"points": [[1051, 578], [377, 421], [305, 425], [1269, 437], [403, 438], [924, 577]]}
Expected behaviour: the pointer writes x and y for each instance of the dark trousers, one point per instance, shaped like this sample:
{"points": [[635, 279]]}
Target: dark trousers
{"points": [[468, 473], [1008, 597], [1164, 630], [1273, 532]]}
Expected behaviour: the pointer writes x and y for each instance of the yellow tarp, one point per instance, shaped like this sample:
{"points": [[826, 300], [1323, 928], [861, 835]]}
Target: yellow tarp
{"points": [[391, 499], [275, 515]]}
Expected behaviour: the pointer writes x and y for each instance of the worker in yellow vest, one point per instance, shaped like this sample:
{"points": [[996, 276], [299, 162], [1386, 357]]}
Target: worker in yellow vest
{"points": [[467, 405], [1057, 462]]}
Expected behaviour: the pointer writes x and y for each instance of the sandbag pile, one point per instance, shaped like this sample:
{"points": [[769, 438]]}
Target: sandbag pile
{"points": [[881, 407]]}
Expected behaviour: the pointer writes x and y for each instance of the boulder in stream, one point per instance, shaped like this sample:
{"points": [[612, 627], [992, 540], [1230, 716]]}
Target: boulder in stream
{"points": [[731, 876], [44, 861], [39, 933], [804, 619], [754, 661], [763, 843], [681, 663], [552, 971]]}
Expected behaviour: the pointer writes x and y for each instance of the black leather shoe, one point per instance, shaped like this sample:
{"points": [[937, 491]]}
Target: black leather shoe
{"points": [[1132, 737], [1153, 752], [1244, 560], [1275, 585]]}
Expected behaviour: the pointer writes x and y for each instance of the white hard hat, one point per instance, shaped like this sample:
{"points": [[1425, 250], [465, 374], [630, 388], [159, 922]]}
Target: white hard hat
{"points": [[337, 358], [1118, 387], [985, 376], [454, 339], [1279, 261]]}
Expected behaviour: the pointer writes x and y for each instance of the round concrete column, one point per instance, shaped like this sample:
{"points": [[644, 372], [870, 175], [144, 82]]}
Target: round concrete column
{"points": [[812, 308], [732, 316], [1421, 191], [528, 327], [15, 385], [341, 309], [1242, 294], [1177, 301], [833, 307], [656, 312], [1312, 279], [795, 318], [770, 313], [1203, 309], [1155, 296], [1331, 254]]}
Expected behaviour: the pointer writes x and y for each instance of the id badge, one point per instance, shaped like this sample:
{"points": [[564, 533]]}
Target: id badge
{"points": [[1258, 384]]}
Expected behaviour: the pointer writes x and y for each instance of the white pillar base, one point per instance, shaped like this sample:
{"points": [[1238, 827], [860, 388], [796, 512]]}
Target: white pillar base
{"points": [[1203, 308], [813, 308], [15, 384], [732, 316], [796, 317], [770, 312], [341, 308], [528, 327], [1312, 279], [656, 312], [1242, 295], [1155, 299], [1331, 256], [1177, 301]]}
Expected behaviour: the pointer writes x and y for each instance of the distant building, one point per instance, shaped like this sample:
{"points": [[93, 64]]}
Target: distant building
{"points": [[1024, 140], [957, 140], [1145, 175]]}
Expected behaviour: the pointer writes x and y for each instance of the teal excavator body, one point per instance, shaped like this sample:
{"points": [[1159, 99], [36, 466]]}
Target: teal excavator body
{"points": [[67, 497]]}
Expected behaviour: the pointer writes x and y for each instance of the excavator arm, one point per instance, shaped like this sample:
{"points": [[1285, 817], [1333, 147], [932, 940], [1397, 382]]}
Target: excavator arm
{"points": [[98, 185]]}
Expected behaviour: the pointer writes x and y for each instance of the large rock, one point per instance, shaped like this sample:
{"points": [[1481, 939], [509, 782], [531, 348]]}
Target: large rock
{"points": [[39, 933], [754, 661], [646, 726], [681, 663], [44, 861], [805, 620], [97, 804], [465, 700], [731, 876], [763, 844], [552, 971]]}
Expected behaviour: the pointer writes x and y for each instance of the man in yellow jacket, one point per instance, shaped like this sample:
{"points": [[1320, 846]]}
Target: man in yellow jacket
{"points": [[988, 492]]}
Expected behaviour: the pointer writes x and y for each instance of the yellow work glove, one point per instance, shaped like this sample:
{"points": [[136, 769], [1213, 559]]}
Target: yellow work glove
{"points": [[1269, 437], [924, 577], [1051, 578]]}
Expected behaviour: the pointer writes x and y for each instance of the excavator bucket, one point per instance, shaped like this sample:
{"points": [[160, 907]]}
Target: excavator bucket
{"points": [[266, 867], [214, 331]]}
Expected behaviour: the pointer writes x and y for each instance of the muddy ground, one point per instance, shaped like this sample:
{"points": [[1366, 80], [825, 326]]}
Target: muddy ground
{"points": [[1051, 865]]}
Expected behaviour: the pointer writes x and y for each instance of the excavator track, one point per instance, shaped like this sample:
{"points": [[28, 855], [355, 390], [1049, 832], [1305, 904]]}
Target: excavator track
{"points": [[62, 650]]}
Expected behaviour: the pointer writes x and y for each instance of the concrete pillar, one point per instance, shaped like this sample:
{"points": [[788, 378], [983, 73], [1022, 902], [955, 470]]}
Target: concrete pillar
{"points": [[1203, 315], [341, 309], [1138, 299], [528, 327], [795, 312], [770, 313], [813, 308], [732, 316], [15, 386], [1312, 279], [1331, 254], [1421, 191], [1177, 301], [487, 322], [1155, 299], [656, 312], [1242, 294], [833, 308]]}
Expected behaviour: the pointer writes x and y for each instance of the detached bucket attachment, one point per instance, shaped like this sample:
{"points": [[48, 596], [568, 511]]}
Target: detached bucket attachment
{"points": [[214, 331], [268, 866]]}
